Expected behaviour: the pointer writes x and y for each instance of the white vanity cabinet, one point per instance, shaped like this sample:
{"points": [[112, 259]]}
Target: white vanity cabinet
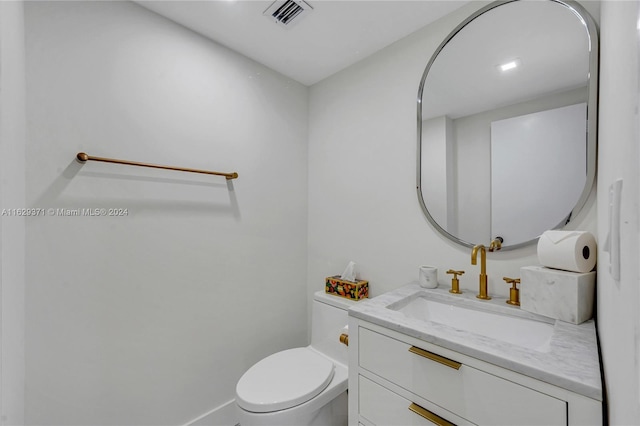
{"points": [[395, 379]]}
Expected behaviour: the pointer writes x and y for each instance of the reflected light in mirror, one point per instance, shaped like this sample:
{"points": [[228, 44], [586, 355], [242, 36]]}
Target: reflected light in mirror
{"points": [[509, 65]]}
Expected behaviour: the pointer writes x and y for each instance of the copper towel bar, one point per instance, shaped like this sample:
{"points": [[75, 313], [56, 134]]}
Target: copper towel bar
{"points": [[82, 157]]}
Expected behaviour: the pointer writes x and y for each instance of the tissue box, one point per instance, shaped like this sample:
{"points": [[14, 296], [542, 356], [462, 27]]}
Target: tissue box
{"points": [[348, 289], [563, 295]]}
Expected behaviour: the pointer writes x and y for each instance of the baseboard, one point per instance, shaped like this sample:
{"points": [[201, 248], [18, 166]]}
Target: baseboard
{"points": [[224, 415]]}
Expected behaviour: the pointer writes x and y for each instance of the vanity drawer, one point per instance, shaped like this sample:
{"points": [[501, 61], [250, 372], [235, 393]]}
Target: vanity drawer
{"points": [[381, 407], [472, 394]]}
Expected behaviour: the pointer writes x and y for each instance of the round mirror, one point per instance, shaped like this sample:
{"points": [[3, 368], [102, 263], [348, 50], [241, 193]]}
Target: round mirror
{"points": [[507, 112]]}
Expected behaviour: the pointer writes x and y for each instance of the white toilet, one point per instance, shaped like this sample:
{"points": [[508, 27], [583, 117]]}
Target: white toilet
{"points": [[301, 386]]}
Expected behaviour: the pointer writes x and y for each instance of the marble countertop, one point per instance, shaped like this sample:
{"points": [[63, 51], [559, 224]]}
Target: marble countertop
{"points": [[571, 361]]}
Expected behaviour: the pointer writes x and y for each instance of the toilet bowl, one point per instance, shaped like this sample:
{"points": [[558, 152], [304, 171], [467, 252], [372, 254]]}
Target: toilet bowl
{"points": [[301, 386]]}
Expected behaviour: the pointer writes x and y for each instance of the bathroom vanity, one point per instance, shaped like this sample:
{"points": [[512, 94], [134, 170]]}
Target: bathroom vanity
{"points": [[423, 356]]}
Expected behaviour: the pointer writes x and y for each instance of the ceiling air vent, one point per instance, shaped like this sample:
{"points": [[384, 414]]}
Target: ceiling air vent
{"points": [[287, 12]]}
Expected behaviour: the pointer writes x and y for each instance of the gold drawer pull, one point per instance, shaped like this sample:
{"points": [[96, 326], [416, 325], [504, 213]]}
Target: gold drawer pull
{"points": [[435, 357], [433, 418]]}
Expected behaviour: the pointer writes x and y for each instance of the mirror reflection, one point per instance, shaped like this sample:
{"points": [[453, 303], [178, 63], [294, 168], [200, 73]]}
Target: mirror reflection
{"points": [[506, 123]]}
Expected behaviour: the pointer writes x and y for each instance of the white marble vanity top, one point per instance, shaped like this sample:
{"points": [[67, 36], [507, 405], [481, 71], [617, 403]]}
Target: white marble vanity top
{"points": [[570, 360]]}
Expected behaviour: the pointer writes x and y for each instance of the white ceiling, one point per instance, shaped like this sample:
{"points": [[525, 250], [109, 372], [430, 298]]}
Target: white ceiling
{"points": [[336, 34], [548, 39]]}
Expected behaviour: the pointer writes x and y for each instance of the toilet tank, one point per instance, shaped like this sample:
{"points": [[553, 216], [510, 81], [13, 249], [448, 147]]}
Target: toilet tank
{"points": [[328, 320]]}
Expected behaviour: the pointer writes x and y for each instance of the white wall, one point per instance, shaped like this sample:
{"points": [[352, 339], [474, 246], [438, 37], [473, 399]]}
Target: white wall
{"points": [[436, 174], [473, 145], [544, 155], [12, 196], [151, 318], [362, 194], [619, 301]]}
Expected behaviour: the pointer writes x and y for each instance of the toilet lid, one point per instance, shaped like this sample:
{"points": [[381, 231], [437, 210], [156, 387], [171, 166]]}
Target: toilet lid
{"points": [[283, 380]]}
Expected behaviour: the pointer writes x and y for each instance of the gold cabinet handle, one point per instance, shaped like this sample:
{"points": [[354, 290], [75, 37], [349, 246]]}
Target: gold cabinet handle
{"points": [[435, 357], [432, 417]]}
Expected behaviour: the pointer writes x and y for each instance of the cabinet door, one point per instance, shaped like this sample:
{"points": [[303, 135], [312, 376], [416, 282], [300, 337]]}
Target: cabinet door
{"points": [[383, 407], [470, 393]]}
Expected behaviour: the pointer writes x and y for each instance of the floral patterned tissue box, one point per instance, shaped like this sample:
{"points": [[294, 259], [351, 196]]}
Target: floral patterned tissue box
{"points": [[348, 289]]}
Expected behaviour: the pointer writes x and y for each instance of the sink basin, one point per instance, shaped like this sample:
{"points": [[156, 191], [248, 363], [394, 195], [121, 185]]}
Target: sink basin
{"points": [[522, 332]]}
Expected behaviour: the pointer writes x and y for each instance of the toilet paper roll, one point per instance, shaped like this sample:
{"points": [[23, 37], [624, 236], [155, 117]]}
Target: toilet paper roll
{"points": [[573, 251]]}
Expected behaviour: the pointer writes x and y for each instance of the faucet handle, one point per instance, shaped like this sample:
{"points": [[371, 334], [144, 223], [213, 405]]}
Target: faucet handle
{"points": [[455, 282], [514, 291]]}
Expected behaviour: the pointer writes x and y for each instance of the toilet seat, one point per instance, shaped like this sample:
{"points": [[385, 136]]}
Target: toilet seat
{"points": [[284, 380]]}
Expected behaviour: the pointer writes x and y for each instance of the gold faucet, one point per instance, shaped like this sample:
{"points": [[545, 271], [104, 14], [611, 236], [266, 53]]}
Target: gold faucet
{"points": [[483, 269]]}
